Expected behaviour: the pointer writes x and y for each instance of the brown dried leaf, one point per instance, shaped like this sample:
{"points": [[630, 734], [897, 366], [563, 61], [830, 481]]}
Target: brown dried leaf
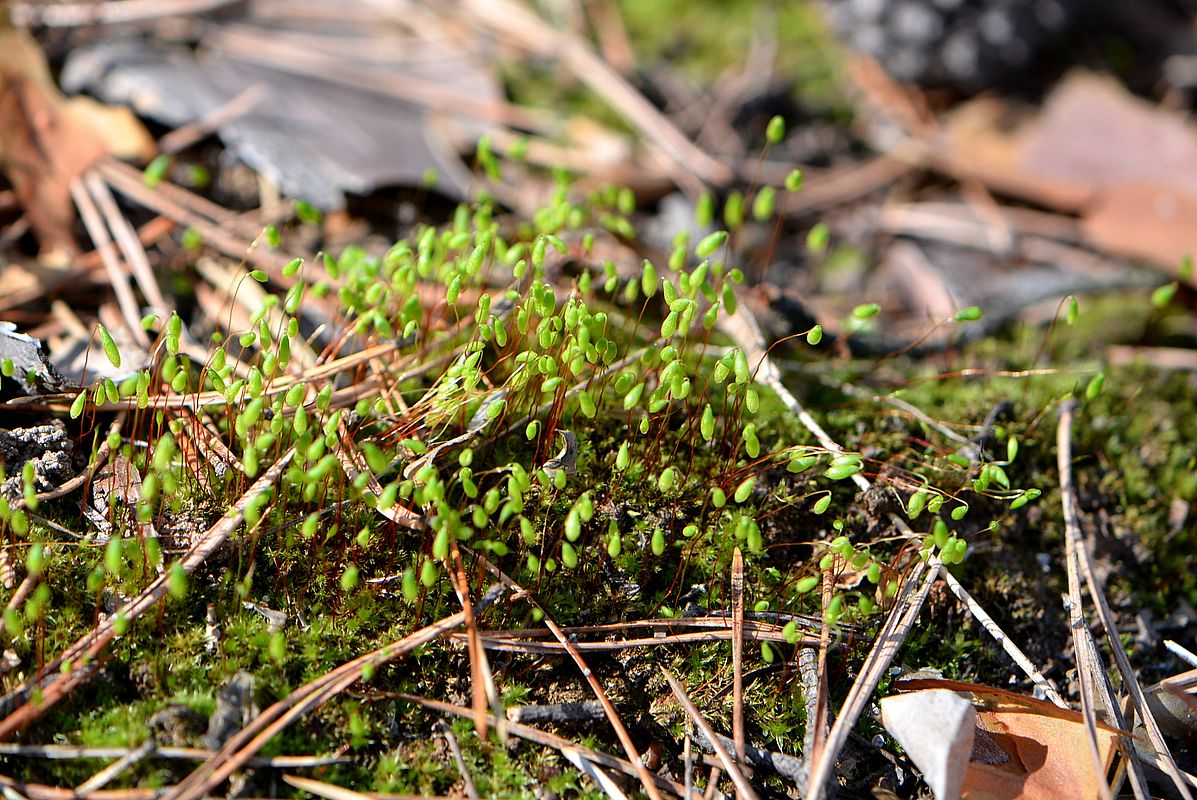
{"points": [[48, 140], [1128, 166], [1026, 748], [1153, 221]]}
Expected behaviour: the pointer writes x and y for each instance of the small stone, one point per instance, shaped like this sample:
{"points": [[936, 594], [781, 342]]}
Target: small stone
{"points": [[936, 728], [234, 709]]}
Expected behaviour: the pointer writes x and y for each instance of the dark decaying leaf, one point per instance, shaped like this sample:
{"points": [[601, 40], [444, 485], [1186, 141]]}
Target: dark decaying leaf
{"points": [[32, 369], [47, 140], [329, 121]]}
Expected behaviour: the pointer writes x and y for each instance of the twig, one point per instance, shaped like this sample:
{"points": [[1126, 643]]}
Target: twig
{"points": [[742, 786], [492, 641], [555, 713], [482, 683], [186, 135], [521, 26], [550, 740], [907, 606], [126, 239], [26, 587], [737, 592], [1181, 652], [819, 725], [808, 668], [715, 622], [322, 789], [217, 226], [1088, 661], [746, 332], [786, 766], [688, 763], [18, 790], [467, 782]]}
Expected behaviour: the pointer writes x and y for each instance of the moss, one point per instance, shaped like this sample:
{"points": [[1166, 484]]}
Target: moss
{"points": [[681, 497]]}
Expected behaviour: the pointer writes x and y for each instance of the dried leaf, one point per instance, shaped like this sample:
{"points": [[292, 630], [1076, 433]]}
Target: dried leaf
{"points": [[49, 140], [31, 366], [345, 110], [1152, 221], [1025, 748]]}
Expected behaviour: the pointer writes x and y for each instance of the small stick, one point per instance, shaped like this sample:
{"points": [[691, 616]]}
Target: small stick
{"points": [[482, 684], [907, 605], [688, 761], [186, 135], [808, 667], [789, 767], [1181, 652], [126, 239], [555, 713], [66, 752]]}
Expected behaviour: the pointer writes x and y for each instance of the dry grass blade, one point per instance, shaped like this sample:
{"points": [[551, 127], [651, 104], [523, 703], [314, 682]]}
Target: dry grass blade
{"points": [[239, 749], [1080, 559], [187, 135], [737, 590], [126, 238], [322, 789], [18, 790], [1088, 660], [816, 738], [60, 752], [995, 630], [621, 730], [517, 24], [808, 668], [1181, 652], [600, 778], [467, 781], [98, 232], [743, 788], [746, 332], [83, 654], [218, 228], [492, 642], [111, 772]]}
